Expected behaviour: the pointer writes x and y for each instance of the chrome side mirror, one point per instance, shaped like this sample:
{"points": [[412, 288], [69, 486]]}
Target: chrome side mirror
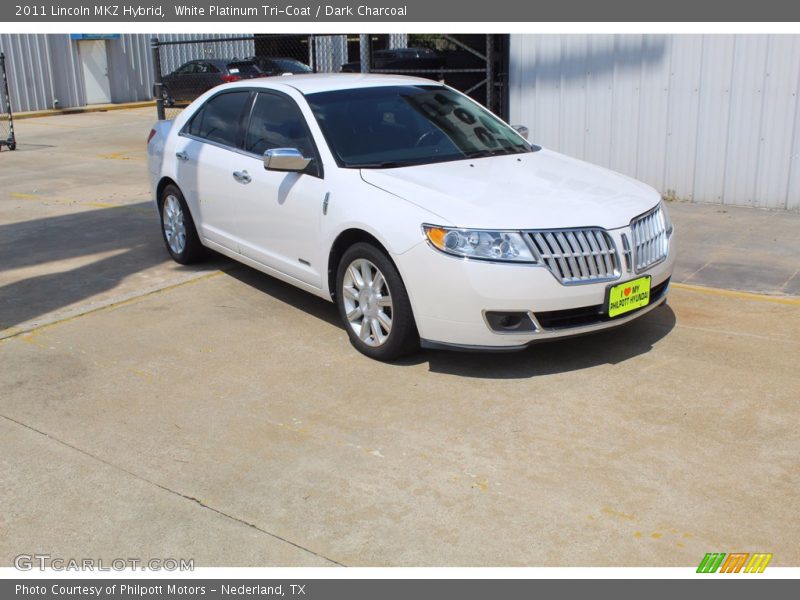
{"points": [[522, 130], [285, 159]]}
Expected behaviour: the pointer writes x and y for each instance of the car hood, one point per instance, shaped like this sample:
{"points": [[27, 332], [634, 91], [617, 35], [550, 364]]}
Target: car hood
{"points": [[538, 190]]}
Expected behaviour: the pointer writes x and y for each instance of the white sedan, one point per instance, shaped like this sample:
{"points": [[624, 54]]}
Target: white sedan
{"points": [[423, 216]]}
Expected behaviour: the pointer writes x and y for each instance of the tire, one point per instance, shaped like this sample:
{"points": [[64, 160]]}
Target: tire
{"points": [[177, 227], [370, 299], [168, 101]]}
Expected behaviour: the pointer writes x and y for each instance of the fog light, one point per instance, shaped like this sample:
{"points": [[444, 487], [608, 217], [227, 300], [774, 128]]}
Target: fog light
{"points": [[509, 322]]}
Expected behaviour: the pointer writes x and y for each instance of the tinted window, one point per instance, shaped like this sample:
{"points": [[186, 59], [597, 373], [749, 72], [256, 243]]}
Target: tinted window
{"points": [[220, 118], [186, 69], [277, 122], [396, 126], [287, 65], [243, 68], [206, 68]]}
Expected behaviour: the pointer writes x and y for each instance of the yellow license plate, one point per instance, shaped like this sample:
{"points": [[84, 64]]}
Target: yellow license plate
{"points": [[628, 296]]}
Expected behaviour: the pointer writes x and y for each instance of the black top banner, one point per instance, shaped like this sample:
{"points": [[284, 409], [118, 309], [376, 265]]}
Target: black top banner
{"points": [[453, 11]]}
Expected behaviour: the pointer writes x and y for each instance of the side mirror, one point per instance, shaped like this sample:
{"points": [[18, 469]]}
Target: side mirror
{"points": [[522, 130], [285, 159]]}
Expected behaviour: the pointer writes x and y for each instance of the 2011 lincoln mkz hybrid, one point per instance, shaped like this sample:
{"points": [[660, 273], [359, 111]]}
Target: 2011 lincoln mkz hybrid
{"points": [[424, 217]]}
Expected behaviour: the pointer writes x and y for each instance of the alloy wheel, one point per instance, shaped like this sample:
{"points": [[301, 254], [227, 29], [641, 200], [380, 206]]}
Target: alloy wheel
{"points": [[174, 224], [367, 302]]}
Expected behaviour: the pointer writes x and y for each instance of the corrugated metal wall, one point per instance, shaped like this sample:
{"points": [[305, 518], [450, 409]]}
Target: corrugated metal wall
{"points": [[29, 72], [179, 54], [45, 68], [710, 118]]}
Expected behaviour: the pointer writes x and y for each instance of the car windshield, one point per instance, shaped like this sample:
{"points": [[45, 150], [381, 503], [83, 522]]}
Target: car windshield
{"points": [[398, 126]]}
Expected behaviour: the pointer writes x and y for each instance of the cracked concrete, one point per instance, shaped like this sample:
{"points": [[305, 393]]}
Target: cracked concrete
{"points": [[150, 410]]}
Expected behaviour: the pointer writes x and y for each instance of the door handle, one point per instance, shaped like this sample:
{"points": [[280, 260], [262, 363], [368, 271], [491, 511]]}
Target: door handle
{"points": [[242, 177], [181, 155]]}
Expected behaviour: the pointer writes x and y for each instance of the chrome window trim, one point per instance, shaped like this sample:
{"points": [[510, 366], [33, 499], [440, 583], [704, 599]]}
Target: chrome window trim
{"points": [[253, 91]]}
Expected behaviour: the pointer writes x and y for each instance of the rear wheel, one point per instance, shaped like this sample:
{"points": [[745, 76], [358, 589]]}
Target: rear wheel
{"points": [[374, 305], [178, 229]]}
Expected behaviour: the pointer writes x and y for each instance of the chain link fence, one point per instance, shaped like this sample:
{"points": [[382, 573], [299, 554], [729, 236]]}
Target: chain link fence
{"points": [[7, 137], [187, 66], [465, 62]]}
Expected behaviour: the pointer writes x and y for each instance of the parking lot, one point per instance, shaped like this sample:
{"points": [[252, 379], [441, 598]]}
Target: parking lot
{"points": [[212, 412]]}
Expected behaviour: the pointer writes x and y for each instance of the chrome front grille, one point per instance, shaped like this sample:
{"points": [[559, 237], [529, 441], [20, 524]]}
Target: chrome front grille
{"points": [[585, 255], [650, 239]]}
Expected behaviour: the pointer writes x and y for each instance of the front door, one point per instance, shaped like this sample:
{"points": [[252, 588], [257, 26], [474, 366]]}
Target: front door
{"points": [[279, 213]]}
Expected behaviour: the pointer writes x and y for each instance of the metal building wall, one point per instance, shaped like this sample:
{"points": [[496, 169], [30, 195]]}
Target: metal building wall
{"points": [[130, 68], [30, 75], [44, 70], [182, 53], [710, 118]]}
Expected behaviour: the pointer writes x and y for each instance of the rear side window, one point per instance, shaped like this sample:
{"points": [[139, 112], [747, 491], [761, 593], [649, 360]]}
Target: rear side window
{"points": [[220, 118], [186, 69], [206, 68]]}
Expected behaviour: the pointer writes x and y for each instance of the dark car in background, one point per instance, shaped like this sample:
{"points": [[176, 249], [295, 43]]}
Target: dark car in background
{"points": [[399, 58], [193, 78], [271, 65]]}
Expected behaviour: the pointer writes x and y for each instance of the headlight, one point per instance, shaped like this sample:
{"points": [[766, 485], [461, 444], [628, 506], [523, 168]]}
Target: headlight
{"points": [[667, 221], [480, 244]]}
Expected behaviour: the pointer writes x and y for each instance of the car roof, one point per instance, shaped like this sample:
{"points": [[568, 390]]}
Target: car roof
{"points": [[311, 83], [221, 62], [254, 58]]}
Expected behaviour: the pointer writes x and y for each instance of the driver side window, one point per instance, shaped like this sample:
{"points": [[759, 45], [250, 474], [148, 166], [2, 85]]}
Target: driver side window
{"points": [[276, 122]]}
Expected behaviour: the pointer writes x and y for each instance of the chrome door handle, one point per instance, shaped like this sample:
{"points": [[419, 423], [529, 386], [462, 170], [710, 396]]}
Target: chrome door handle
{"points": [[181, 155], [242, 177]]}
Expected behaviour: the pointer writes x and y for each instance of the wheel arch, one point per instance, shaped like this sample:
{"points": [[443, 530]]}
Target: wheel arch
{"points": [[343, 241], [162, 183]]}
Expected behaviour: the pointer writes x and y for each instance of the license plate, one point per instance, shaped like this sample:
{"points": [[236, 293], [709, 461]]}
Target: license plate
{"points": [[628, 296]]}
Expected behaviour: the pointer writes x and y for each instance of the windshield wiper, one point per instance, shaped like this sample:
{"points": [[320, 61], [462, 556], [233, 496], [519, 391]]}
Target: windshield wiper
{"points": [[482, 153], [497, 152], [388, 164]]}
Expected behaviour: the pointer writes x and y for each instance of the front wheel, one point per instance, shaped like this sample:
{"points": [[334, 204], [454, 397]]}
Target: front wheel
{"points": [[374, 305]]}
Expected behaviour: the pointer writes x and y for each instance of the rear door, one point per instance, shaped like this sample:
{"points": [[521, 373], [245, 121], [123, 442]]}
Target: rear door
{"points": [[208, 153], [208, 76], [181, 82]]}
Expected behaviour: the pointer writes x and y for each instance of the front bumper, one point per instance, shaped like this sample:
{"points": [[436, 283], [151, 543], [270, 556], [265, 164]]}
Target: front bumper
{"points": [[450, 297]]}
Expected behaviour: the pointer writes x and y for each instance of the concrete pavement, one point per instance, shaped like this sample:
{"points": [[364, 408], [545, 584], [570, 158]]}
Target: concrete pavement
{"points": [[151, 410]]}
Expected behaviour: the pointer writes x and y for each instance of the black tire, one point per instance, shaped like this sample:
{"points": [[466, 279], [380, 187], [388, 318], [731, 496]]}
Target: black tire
{"points": [[403, 338], [191, 251], [168, 101]]}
